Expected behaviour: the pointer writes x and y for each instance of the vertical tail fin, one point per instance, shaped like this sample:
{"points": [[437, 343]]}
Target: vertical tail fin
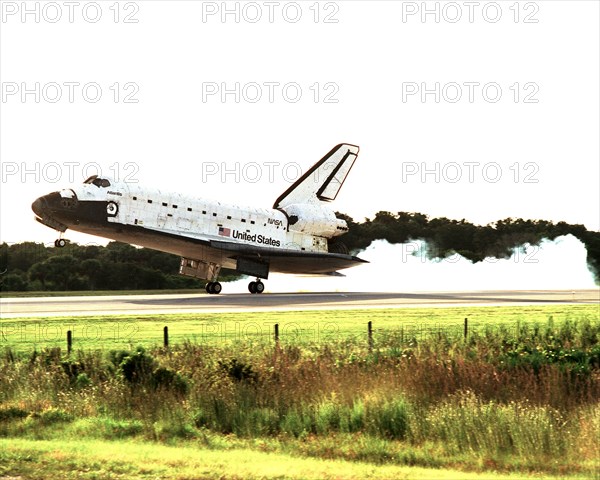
{"points": [[324, 180]]}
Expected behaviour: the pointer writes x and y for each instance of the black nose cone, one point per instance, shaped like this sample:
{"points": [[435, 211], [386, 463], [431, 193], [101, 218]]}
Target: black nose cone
{"points": [[38, 206]]}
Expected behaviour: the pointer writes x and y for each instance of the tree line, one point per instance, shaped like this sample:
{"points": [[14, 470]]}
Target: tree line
{"points": [[31, 266]]}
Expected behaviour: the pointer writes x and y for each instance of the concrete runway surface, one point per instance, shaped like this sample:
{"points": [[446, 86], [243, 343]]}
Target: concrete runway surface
{"points": [[202, 303]]}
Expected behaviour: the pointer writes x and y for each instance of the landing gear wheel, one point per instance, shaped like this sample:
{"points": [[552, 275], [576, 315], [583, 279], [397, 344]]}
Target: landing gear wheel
{"points": [[213, 288], [256, 287], [60, 242]]}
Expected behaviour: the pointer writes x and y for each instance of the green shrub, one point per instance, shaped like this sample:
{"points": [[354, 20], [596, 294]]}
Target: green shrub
{"points": [[109, 428], [136, 367], [391, 418], [295, 423], [356, 422], [82, 381], [238, 370], [9, 413], [72, 369], [52, 415], [165, 378], [327, 417]]}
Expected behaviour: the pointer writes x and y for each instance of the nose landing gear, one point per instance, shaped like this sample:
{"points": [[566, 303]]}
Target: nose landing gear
{"points": [[256, 287], [60, 242]]}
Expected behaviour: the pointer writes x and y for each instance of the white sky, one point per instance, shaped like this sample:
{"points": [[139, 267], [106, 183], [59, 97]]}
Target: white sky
{"points": [[517, 159]]}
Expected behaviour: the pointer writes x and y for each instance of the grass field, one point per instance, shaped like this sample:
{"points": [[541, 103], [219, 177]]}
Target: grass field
{"points": [[98, 459], [114, 331], [517, 398]]}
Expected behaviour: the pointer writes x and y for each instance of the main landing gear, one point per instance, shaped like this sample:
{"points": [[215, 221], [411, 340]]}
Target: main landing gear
{"points": [[256, 287], [213, 288]]}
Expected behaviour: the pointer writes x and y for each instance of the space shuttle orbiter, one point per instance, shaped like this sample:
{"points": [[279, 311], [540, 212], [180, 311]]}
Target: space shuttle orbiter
{"points": [[298, 235]]}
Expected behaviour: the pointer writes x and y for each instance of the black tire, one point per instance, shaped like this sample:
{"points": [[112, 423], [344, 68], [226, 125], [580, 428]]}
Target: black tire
{"points": [[252, 287], [216, 288], [259, 287], [208, 287], [61, 243]]}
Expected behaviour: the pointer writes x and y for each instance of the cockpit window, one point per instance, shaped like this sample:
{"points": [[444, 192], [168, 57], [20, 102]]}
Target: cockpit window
{"points": [[99, 182], [91, 179]]}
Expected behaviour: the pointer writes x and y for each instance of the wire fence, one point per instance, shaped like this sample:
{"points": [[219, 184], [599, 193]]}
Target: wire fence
{"points": [[401, 334]]}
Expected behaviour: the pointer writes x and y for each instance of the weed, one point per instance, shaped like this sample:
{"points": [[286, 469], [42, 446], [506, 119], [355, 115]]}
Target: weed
{"points": [[512, 398]]}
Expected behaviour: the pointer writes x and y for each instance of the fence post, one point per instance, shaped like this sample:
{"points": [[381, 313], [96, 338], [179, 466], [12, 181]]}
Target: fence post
{"points": [[166, 336], [69, 341], [466, 327], [370, 334], [277, 333]]}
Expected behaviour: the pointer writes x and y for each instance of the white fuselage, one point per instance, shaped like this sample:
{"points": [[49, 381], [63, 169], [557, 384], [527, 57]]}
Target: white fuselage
{"points": [[191, 217]]}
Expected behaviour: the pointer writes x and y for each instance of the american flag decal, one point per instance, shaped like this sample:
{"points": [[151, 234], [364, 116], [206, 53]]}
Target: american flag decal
{"points": [[224, 232]]}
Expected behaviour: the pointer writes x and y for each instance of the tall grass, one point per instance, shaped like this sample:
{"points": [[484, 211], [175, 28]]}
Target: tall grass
{"points": [[520, 401]]}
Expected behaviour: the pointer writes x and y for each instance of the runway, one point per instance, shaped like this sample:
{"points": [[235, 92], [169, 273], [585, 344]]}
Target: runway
{"points": [[202, 303]]}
